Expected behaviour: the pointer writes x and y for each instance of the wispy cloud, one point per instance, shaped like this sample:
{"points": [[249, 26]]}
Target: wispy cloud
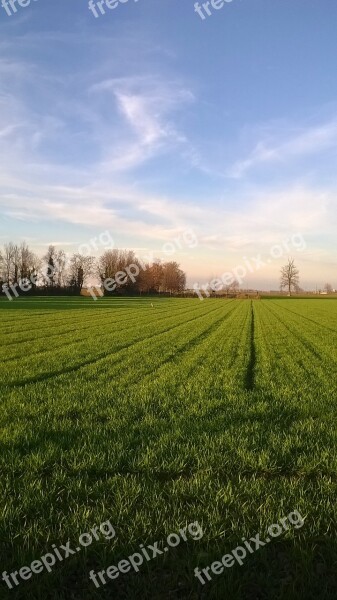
{"points": [[300, 143], [147, 106]]}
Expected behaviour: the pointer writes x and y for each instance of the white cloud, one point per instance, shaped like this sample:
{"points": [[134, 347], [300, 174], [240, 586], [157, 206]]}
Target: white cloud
{"points": [[301, 143], [147, 106]]}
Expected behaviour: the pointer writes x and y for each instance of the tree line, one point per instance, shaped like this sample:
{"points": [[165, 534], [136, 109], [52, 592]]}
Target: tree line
{"points": [[58, 272]]}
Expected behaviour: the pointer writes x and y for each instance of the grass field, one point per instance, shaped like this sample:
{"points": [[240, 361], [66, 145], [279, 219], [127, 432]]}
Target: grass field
{"points": [[221, 412]]}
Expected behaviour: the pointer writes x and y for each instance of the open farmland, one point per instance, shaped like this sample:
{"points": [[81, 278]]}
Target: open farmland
{"points": [[221, 412]]}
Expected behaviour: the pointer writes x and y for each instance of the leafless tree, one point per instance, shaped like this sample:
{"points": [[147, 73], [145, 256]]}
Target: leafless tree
{"points": [[8, 262], [290, 276], [174, 279], [113, 264], [29, 263], [328, 288], [156, 276], [50, 259], [232, 288], [81, 267], [145, 279], [17, 263], [60, 266], [56, 262]]}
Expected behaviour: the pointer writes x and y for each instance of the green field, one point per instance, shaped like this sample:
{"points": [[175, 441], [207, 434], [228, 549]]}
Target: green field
{"points": [[221, 412]]}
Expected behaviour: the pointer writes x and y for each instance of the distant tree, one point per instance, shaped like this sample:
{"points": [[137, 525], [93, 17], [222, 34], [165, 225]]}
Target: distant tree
{"points": [[114, 264], [56, 262], [156, 275], [161, 277], [328, 288], [17, 263], [80, 268], [215, 283], [25, 259], [50, 259], [174, 279], [145, 279], [29, 264], [290, 276], [235, 286], [60, 268], [9, 262], [35, 270], [232, 288], [2, 281]]}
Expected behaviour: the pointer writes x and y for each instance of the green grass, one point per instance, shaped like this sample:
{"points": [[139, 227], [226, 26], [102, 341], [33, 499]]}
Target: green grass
{"points": [[222, 412]]}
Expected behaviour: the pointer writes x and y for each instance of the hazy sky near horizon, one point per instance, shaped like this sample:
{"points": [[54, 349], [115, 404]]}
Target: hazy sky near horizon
{"points": [[149, 120]]}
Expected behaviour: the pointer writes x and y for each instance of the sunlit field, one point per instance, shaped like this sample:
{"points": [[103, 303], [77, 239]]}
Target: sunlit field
{"points": [[156, 413]]}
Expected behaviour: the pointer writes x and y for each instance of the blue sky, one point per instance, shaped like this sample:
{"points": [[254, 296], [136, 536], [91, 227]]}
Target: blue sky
{"points": [[149, 120]]}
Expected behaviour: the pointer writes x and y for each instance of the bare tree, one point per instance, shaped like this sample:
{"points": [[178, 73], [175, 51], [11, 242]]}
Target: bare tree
{"points": [[25, 261], [145, 279], [232, 288], [328, 288], [50, 259], [29, 263], [114, 264], [290, 276], [156, 276], [81, 267], [174, 279], [8, 262], [56, 262], [16, 263], [60, 265], [35, 274]]}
